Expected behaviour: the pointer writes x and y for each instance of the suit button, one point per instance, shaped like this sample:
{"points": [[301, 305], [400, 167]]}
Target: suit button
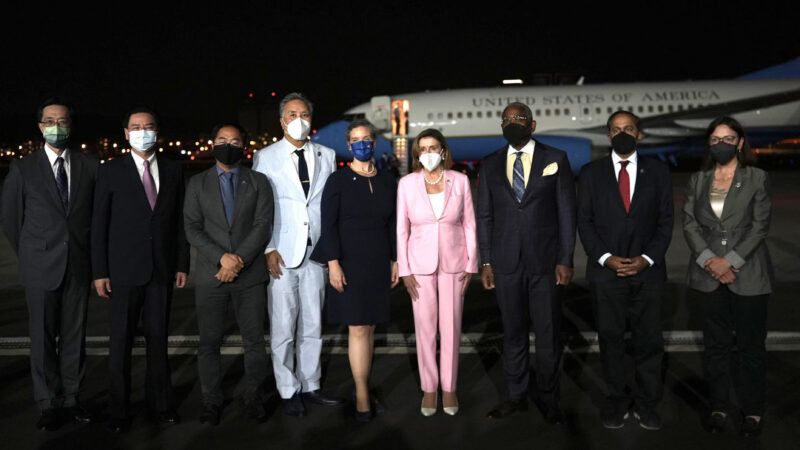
{"points": [[724, 242], [305, 223]]}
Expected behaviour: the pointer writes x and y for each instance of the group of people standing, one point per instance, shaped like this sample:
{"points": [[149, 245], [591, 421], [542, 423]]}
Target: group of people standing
{"points": [[292, 235]]}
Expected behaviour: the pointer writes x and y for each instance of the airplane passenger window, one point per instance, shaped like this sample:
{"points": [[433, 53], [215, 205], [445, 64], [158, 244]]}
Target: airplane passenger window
{"points": [[609, 110], [557, 112], [547, 112], [598, 110], [450, 115], [649, 108], [479, 114], [499, 114], [680, 107], [619, 108], [641, 109], [689, 106], [430, 116], [538, 112], [585, 111], [459, 114], [440, 116], [670, 108], [566, 111], [469, 114]]}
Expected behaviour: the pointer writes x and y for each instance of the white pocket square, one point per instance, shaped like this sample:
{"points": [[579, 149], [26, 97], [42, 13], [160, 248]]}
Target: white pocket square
{"points": [[550, 169]]}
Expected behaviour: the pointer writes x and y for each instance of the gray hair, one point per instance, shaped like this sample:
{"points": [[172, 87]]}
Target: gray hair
{"points": [[357, 123], [295, 96]]}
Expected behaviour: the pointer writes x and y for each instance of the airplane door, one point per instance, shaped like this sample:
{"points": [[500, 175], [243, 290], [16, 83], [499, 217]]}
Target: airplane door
{"points": [[379, 112]]}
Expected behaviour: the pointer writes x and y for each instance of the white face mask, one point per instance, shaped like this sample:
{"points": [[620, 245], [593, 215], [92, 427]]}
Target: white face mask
{"points": [[430, 161], [298, 129], [142, 140]]}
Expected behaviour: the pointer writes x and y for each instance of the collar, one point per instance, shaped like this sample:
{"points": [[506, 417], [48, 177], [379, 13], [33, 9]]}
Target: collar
{"points": [[220, 171], [529, 147], [293, 149], [138, 160], [634, 158], [52, 156]]}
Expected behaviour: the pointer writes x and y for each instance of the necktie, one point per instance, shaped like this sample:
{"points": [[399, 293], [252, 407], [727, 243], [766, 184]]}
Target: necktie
{"points": [[228, 195], [625, 186], [302, 170], [519, 178], [149, 185], [61, 183]]}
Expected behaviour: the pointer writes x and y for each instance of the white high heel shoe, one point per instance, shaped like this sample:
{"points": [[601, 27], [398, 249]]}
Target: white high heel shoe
{"points": [[450, 410], [427, 412]]}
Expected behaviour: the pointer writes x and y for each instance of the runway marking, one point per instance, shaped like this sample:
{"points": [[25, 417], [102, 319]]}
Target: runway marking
{"points": [[404, 344]]}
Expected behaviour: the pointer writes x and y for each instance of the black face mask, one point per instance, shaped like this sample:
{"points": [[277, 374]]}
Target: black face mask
{"points": [[623, 143], [516, 134], [228, 154], [722, 153]]}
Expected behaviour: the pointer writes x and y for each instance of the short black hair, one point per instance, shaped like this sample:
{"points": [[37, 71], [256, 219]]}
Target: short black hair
{"points": [[636, 119], [522, 106], [139, 110], [53, 101], [238, 127]]}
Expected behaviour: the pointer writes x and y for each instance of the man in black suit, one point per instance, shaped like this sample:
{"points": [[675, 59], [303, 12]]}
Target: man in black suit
{"points": [[625, 224], [47, 210], [139, 250], [228, 216], [526, 235]]}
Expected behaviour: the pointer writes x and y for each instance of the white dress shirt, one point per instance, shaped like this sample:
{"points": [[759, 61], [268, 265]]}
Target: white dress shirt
{"points": [[631, 169], [310, 162], [138, 161], [527, 161], [52, 156]]}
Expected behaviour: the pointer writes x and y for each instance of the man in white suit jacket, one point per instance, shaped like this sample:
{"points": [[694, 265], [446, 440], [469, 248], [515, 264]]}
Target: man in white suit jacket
{"points": [[297, 169]]}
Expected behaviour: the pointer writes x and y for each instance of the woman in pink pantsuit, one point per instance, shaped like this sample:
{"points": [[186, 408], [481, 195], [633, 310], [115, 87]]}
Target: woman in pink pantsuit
{"points": [[436, 257]]}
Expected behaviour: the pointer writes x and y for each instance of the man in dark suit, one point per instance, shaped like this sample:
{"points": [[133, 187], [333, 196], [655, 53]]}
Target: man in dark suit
{"points": [[625, 224], [47, 210], [228, 216], [526, 235], [139, 250]]}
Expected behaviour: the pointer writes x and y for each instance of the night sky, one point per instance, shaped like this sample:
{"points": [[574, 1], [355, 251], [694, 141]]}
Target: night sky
{"points": [[195, 65]]}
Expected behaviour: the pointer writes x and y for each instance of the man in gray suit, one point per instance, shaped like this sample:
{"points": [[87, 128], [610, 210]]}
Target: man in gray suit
{"points": [[228, 218], [47, 211]]}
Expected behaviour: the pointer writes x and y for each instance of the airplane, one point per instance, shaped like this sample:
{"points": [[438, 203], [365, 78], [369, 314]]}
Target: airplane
{"points": [[573, 118]]}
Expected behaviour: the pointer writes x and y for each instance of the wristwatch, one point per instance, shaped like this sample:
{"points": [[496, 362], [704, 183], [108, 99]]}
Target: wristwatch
{"points": [[486, 264]]}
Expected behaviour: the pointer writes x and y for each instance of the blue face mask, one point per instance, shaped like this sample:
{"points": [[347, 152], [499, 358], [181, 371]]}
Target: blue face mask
{"points": [[363, 150]]}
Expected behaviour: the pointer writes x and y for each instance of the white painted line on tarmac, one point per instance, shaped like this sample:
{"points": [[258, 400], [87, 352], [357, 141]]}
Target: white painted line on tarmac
{"points": [[404, 344]]}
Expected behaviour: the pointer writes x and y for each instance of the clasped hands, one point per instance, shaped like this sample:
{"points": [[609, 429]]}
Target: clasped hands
{"points": [[230, 266], [722, 271], [627, 267]]}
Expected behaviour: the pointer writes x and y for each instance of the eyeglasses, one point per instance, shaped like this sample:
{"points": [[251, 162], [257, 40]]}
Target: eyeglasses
{"points": [[148, 127], [630, 129], [234, 142], [431, 149], [713, 140], [509, 119], [52, 122]]}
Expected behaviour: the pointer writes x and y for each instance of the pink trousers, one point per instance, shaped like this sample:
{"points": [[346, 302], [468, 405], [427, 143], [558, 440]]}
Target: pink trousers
{"points": [[438, 308]]}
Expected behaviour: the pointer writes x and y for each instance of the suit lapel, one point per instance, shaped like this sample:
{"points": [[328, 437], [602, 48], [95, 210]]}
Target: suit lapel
{"points": [[448, 190], [290, 171], [50, 180], [640, 181], [75, 171], [705, 195], [136, 181], [612, 184], [537, 166], [165, 179], [242, 187], [212, 192], [315, 176], [502, 162]]}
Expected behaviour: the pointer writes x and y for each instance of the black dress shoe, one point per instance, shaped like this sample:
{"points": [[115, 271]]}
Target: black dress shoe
{"points": [[322, 399], [118, 425], [211, 414], [551, 411], [752, 427], [715, 422], [79, 414], [507, 408], [294, 406], [168, 418], [255, 410], [48, 420]]}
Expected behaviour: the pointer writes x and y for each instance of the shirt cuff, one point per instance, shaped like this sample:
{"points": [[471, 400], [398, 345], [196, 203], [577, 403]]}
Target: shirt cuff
{"points": [[602, 260], [736, 261], [648, 260], [705, 255], [269, 250]]}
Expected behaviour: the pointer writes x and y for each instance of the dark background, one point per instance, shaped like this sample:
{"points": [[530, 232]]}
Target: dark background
{"points": [[197, 64]]}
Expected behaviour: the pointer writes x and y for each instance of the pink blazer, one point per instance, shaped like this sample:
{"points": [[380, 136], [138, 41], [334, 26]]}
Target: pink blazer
{"points": [[425, 243]]}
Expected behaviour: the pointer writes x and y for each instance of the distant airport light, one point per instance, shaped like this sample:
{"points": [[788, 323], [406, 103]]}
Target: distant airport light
{"points": [[512, 81], [83, 146], [274, 139], [178, 143], [183, 152], [210, 142], [115, 145], [273, 94]]}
